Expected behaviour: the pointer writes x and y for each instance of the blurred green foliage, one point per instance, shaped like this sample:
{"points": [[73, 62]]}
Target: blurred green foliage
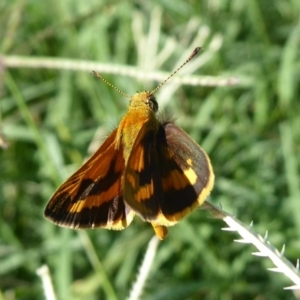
{"points": [[250, 131]]}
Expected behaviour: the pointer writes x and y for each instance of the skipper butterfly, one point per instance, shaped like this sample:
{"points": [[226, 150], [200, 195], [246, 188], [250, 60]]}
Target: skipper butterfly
{"points": [[147, 166]]}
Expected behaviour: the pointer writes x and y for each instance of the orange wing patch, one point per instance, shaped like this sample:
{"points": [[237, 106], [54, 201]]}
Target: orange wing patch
{"points": [[93, 196]]}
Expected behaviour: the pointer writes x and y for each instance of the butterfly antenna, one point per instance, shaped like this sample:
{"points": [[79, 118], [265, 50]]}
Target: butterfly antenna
{"points": [[194, 53], [109, 84]]}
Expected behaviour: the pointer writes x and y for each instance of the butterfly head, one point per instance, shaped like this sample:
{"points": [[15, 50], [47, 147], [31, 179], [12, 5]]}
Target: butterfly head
{"points": [[144, 100]]}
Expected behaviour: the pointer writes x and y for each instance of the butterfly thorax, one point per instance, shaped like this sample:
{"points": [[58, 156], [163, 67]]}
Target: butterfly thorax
{"points": [[140, 115]]}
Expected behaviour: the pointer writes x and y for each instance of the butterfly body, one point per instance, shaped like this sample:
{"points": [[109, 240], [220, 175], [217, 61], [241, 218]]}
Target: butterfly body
{"points": [[139, 114]]}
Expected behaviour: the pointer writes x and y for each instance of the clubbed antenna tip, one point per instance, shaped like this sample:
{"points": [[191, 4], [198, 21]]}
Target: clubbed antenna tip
{"points": [[194, 53]]}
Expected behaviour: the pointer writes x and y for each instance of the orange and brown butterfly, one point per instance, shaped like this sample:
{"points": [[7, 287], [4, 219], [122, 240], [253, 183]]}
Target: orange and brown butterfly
{"points": [[147, 166]]}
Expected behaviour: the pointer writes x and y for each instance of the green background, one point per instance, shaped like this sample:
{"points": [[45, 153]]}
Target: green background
{"points": [[251, 132]]}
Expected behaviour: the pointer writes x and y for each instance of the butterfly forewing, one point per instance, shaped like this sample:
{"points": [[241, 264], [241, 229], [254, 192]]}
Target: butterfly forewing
{"points": [[93, 196], [167, 175], [142, 183]]}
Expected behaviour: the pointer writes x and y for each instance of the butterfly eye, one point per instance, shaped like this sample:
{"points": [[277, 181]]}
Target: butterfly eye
{"points": [[151, 102]]}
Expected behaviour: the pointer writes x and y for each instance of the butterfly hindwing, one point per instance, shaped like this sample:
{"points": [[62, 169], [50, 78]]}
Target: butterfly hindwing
{"points": [[187, 176], [167, 175], [93, 195]]}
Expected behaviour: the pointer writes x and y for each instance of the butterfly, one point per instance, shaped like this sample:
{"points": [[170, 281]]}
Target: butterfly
{"points": [[147, 167]]}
